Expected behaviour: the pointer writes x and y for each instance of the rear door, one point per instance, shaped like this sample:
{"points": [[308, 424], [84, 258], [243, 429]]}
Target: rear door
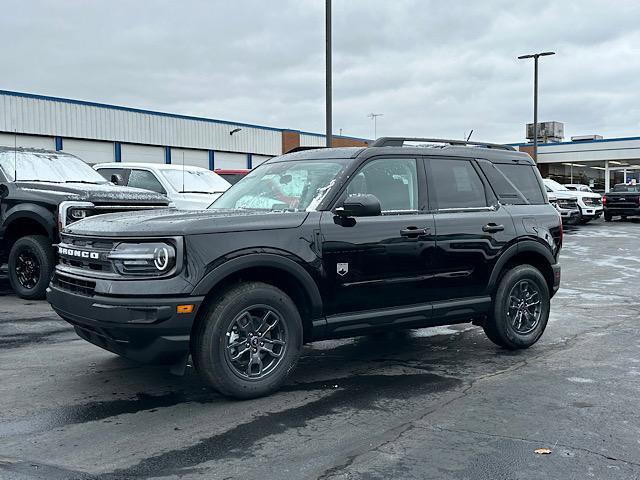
{"points": [[471, 227]]}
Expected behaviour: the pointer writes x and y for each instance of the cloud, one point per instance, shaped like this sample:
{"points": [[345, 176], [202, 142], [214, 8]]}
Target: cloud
{"points": [[433, 68]]}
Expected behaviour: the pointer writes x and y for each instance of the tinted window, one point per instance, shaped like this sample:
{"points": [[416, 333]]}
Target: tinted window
{"points": [[394, 181], [108, 172], [457, 184], [146, 180], [506, 191], [626, 188], [525, 179]]}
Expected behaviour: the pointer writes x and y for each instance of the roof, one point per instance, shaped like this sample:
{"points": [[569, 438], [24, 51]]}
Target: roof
{"points": [[162, 114], [151, 166]]}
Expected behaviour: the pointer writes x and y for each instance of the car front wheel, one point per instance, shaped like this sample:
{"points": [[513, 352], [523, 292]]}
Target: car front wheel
{"points": [[249, 340], [31, 263], [520, 309]]}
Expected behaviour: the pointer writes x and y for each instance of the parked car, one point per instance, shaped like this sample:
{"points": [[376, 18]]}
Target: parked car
{"points": [[232, 176], [567, 206], [41, 192], [622, 200], [188, 187], [589, 203], [314, 245]]}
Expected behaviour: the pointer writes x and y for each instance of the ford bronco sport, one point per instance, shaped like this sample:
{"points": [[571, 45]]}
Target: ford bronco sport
{"points": [[319, 244], [41, 191]]}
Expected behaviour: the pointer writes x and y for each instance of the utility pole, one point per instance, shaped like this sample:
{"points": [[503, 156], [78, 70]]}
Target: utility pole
{"points": [[374, 117], [535, 57], [328, 96]]}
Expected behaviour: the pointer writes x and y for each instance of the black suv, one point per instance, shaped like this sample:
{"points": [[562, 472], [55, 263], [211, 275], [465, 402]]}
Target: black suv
{"points": [[319, 244], [42, 191]]}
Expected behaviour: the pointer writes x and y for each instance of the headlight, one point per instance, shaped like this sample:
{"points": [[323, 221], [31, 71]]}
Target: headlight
{"points": [[71, 211], [77, 213], [144, 258]]}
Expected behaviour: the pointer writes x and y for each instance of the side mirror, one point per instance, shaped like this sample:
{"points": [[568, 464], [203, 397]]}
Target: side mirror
{"points": [[117, 179], [360, 205]]}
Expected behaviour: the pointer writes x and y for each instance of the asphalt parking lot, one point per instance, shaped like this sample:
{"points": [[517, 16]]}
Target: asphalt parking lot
{"points": [[441, 403]]}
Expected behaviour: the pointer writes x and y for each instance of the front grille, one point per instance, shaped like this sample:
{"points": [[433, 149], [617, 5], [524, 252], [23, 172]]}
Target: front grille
{"points": [[101, 246], [75, 285], [569, 204]]}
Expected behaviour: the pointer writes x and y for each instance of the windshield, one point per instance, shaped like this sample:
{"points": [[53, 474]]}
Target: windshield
{"points": [[555, 186], [195, 181], [47, 167], [290, 186], [627, 188]]}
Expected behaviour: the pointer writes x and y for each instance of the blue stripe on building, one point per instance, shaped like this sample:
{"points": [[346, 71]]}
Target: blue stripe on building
{"points": [[117, 151], [58, 143], [212, 157], [249, 160], [167, 155]]}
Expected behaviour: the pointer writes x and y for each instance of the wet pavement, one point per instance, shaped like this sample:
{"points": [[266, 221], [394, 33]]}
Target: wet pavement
{"points": [[439, 403]]}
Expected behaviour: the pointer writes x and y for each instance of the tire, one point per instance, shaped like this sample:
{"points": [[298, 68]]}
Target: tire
{"points": [[211, 339], [607, 217], [35, 253], [500, 327]]}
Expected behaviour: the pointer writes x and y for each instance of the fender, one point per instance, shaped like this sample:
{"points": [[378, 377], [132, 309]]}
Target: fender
{"points": [[253, 260], [34, 212], [519, 247]]}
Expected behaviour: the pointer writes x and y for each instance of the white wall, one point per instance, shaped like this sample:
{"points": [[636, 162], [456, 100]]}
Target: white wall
{"points": [[90, 152], [142, 153], [197, 158], [31, 141], [230, 160], [259, 159], [307, 140]]}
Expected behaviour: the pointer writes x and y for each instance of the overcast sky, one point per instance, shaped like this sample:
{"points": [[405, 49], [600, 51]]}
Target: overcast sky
{"points": [[433, 68]]}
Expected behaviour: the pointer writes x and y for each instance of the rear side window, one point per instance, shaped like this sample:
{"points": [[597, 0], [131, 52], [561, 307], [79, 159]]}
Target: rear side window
{"points": [[108, 172], [525, 179], [457, 184], [507, 192], [146, 180]]}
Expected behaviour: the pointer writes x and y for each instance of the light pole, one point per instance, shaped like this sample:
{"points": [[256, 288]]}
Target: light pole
{"points": [[535, 57], [374, 117], [328, 100]]}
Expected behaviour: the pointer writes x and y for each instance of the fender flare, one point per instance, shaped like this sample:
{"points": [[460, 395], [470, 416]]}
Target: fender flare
{"points": [[523, 246], [34, 212], [265, 260]]}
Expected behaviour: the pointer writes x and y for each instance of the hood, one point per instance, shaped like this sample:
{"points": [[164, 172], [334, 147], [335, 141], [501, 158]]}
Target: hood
{"points": [[87, 192], [586, 194], [194, 201], [568, 194], [172, 222]]}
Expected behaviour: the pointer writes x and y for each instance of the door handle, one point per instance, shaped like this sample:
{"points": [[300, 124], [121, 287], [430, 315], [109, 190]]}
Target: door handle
{"points": [[492, 228], [413, 232]]}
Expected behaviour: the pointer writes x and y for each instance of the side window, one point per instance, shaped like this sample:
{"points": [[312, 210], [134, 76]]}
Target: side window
{"points": [[146, 180], [108, 172], [394, 181], [507, 192], [457, 184], [525, 179]]}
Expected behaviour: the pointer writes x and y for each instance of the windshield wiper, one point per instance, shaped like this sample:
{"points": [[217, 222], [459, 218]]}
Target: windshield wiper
{"points": [[193, 191], [35, 180], [82, 181]]}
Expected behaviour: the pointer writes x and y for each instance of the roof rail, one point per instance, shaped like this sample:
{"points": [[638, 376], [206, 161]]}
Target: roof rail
{"points": [[399, 142]]}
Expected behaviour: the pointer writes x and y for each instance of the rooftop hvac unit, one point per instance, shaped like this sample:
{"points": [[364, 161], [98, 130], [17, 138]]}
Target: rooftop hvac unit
{"points": [[585, 138], [547, 132]]}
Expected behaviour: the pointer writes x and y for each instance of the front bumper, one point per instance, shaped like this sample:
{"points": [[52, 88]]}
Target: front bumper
{"points": [[591, 212], [144, 329], [569, 216]]}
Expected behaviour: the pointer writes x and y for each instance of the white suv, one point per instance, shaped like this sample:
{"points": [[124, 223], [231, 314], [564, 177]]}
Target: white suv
{"points": [[188, 187], [590, 203]]}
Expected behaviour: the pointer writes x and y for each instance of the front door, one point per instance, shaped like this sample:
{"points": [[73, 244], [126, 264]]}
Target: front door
{"points": [[381, 261], [472, 227]]}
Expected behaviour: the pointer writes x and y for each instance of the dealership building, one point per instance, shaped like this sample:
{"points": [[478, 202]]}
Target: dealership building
{"points": [[99, 133]]}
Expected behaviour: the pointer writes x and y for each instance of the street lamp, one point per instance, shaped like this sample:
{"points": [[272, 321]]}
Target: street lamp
{"points": [[374, 117], [328, 100], [535, 57]]}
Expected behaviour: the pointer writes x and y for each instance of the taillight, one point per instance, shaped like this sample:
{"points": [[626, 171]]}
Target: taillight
{"points": [[561, 232], [604, 200]]}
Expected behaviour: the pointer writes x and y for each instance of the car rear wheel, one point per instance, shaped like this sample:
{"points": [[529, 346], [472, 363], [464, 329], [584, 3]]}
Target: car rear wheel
{"points": [[520, 309], [607, 217], [249, 341], [31, 264]]}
